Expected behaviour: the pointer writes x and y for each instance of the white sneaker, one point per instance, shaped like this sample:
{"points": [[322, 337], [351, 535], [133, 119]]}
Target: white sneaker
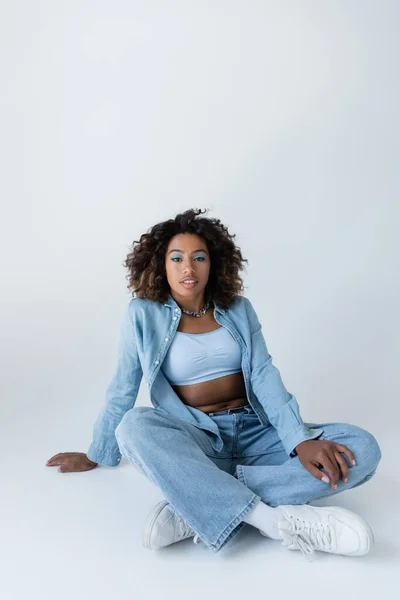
{"points": [[325, 528], [164, 526]]}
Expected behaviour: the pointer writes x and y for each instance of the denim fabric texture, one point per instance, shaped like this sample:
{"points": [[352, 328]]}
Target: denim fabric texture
{"points": [[146, 333], [178, 457]]}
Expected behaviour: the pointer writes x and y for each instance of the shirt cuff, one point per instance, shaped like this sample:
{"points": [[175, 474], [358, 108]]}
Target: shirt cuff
{"points": [[104, 457]]}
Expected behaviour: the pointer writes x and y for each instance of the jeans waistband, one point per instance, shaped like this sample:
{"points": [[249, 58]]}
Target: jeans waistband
{"points": [[240, 409]]}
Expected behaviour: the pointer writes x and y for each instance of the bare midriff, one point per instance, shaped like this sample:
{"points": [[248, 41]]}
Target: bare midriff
{"points": [[214, 395]]}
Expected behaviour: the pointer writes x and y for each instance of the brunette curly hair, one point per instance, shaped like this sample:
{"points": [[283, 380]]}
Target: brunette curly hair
{"points": [[146, 260]]}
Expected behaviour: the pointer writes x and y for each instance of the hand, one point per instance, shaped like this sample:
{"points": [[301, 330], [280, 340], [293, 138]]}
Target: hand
{"points": [[71, 462], [325, 453]]}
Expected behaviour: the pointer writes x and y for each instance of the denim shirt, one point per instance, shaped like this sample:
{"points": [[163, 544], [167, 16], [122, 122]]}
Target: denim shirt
{"points": [[147, 330]]}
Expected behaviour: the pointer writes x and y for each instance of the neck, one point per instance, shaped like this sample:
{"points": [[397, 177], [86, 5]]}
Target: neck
{"points": [[192, 304]]}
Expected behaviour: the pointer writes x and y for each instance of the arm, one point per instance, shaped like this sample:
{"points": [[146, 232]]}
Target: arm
{"points": [[120, 397], [281, 407]]}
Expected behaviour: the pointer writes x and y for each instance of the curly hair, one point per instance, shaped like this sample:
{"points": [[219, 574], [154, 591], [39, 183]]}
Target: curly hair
{"points": [[146, 259]]}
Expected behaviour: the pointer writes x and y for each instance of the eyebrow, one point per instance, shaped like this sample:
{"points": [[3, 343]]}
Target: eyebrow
{"points": [[178, 250]]}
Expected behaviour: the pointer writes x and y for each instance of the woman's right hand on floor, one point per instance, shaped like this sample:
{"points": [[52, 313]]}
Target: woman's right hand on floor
{"points": [[71, 462]]}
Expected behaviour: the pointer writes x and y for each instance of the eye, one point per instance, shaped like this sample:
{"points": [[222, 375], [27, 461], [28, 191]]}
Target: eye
{"points": [[175, 258]]}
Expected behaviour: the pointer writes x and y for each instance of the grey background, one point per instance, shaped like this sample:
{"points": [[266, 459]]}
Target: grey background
{"points": [[282, 119]]}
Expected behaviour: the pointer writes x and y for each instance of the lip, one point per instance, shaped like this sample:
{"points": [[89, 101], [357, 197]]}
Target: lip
{"points": [[189, 285], [195, 280]]}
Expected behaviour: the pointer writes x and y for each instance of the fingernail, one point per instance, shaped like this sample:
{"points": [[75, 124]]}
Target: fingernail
{"points": [[334, 487], [353, 462], [345, 480], [325, 479]]}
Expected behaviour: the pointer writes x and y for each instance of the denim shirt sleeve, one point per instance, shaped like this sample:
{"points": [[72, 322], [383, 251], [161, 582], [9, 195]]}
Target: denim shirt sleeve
{"points": [[120, 397], [281, 407]]}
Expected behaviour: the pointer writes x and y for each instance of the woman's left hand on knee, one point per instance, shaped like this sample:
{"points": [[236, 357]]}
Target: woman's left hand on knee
{"points": [[314, 454]]}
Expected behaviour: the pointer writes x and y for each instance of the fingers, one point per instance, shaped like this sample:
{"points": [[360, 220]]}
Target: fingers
{"points": [[53, 458], [317, 473], [63, 468], [64, 454], [343, 466], [69, 462], [330, 458], [58, 459], [330, 465], [346, 451]]}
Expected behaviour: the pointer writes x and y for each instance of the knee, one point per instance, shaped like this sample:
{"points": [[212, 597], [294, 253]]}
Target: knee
{"points": [[366, 450], [132, 424]]}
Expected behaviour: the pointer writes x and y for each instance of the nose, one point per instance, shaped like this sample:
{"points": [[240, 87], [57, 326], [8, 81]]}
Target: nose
{"points": [[188, 271]]}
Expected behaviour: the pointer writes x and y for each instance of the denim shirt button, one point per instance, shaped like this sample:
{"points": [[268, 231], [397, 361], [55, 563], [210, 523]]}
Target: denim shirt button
{"points": [[166, 339], [177, 310], [174, 318], [157, 361]]}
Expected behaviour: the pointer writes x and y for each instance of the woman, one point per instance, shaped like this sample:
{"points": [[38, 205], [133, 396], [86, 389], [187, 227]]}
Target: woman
{"points": [[224, 439]]}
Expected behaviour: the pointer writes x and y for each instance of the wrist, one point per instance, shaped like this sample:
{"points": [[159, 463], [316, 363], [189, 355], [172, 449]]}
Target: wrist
{"points": [[298, 445]]}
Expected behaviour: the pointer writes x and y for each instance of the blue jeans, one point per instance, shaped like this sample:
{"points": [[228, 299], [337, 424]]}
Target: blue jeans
{"points": [[201, 484]]}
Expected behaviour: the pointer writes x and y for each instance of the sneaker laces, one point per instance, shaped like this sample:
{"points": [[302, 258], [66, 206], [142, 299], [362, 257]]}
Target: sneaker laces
{"points": [[306, 536]]}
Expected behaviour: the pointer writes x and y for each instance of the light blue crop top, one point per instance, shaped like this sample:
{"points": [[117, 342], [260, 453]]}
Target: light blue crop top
{"points": [[196, 357]]}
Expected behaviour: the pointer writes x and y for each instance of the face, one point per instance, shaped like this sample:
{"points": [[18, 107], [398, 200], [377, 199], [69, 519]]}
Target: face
{"points": [[187, 257]]}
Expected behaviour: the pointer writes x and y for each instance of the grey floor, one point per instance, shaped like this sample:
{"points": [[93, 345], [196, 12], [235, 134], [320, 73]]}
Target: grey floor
{"points": [[78, 535]]}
